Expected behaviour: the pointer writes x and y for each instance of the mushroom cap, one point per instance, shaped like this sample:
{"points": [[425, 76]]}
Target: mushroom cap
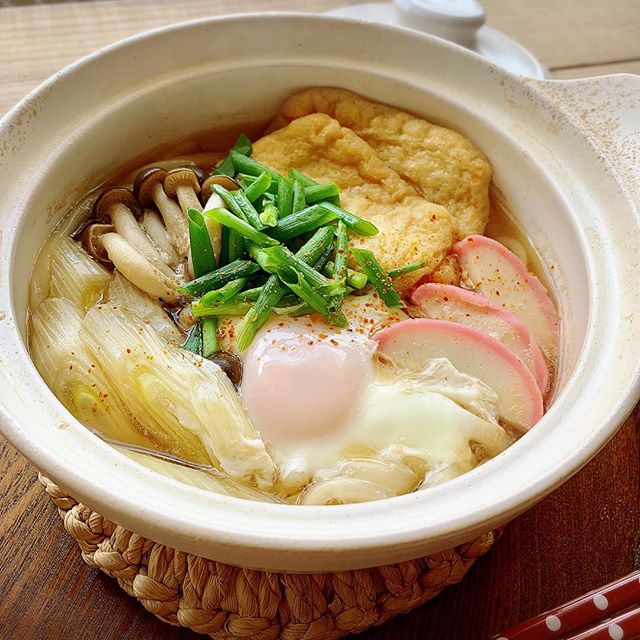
{"points": [[201, 173], [90, 237], [181, 176], [225, 181], [144, 183], [116, 195]]}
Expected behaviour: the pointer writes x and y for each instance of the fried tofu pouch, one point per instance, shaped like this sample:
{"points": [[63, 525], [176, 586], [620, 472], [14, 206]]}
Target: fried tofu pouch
{"points": [[410, 228], [441, 164]]}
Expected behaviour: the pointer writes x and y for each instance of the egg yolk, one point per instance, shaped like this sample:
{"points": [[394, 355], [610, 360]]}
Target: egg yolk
{"points": [[301, 379]]}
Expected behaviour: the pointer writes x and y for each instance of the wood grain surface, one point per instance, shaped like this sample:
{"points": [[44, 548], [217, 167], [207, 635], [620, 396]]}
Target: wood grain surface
{"points": [[583, 535]]}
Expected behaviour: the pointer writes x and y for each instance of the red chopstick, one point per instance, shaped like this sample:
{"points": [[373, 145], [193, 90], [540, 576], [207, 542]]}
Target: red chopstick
{"points": [[597, 606], [623, 626]]}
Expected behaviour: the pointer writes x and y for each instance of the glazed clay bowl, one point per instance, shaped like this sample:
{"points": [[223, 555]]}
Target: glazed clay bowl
{"points": [[562, 155]]}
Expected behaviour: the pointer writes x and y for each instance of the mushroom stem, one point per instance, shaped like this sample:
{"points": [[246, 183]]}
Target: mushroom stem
{"points": [[155, 229], [127, 226], [174, 220], [187, 198], [138, 270]]}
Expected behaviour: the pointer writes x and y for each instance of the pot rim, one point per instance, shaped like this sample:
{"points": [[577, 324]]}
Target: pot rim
{"points": [[328, 530]]}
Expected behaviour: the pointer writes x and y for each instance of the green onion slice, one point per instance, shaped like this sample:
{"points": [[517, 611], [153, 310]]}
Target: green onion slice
{"points": [[209, 336], [219, 277], [410, 268], [226, 168], [233, 308], [227, 219], [202, 255], [377, 277]]}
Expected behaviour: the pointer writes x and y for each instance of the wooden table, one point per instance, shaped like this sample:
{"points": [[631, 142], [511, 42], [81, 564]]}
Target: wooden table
{"points": [[583, 535]]}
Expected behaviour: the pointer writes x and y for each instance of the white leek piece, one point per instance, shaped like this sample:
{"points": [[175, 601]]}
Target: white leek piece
{"points": [[40, 278], [122, 293], [176, 394], [74, 274], [73, 374]]}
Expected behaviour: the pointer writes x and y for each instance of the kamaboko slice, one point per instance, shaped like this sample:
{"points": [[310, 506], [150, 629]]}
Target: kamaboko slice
{"points": [[176, 394], [73, 374]]}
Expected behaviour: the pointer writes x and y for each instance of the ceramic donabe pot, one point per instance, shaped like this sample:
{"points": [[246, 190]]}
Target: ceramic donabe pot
{"points": [[562, 155]]}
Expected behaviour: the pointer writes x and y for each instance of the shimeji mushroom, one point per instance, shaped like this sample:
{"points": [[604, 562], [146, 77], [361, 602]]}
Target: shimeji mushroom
{"points": [[155, 229], [184, 184], [119, 205], [207, 189], [90, 236], [148, 187], [214, 201], [138, 270]]}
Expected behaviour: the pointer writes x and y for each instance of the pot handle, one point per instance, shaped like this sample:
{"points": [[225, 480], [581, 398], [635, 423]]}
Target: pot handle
{"points": [[607, 108]]}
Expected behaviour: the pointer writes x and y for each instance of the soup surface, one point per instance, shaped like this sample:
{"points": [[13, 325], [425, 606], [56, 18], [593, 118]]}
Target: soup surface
{"points": [[334, 308]]}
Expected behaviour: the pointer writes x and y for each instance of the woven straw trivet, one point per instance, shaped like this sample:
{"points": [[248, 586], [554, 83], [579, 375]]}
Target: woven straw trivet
{"points": [[230, 603]]}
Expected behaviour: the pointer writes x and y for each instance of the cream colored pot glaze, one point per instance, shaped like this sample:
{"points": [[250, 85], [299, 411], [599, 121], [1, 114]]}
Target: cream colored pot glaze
{"points": [[571, 184]]}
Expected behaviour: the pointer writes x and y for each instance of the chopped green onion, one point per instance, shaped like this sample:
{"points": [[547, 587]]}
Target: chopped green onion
{"points": [[342, 253], [233, 308], [239, 205], [359, 225], [299, 285], [219, 277], [269, 297], [193, 342], [272, 291], [377, 277], [224, 247], [258, 186], [269, 215], [235, 249], [227, 219], [285, 197], [355, 279], [273, 259], [209, 336], [294, 310], [313, 249], [248, 180], [308, 182], [243, 145], [300, 177], [242, 164], [299, 203], [202, 256], [225, 293], [300, 222], [410, 268], [324, 258], [318, 192], [226, 168], [250, 295]]}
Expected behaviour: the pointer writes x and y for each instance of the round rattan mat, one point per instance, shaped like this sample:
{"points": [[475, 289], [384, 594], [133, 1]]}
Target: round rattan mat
{"points": [[229, 602]]}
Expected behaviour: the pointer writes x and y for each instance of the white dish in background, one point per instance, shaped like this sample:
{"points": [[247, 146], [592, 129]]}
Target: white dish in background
{"points": [[562, 155], [460, 21]]}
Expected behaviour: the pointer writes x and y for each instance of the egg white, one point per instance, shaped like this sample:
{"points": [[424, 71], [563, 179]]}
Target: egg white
{"points": [[344, 426]]}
